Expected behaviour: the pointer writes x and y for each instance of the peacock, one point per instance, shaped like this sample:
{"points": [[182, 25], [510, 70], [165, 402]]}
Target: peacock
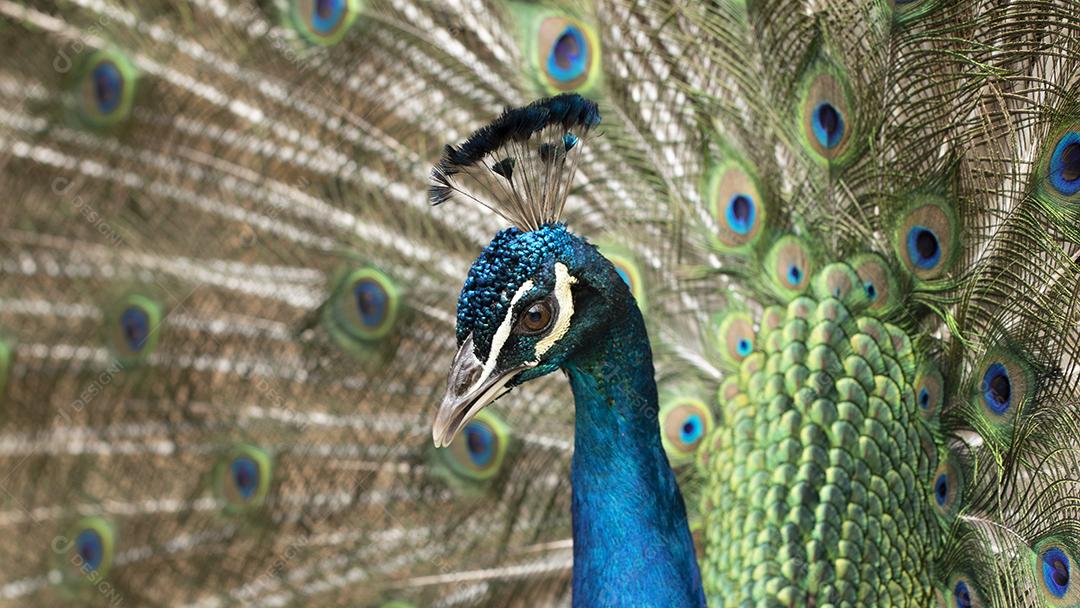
{"points": [[809, 270]]}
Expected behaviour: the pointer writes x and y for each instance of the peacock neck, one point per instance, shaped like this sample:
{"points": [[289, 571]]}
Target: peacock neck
{"points": [[632, 544]]}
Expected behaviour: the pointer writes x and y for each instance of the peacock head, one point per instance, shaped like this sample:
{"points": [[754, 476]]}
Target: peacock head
{"points": [[531, 302], [537, 294]]}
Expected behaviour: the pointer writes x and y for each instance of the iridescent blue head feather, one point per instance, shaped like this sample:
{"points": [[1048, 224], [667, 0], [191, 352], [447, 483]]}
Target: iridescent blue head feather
{"points": [[532, 300], [511, 258]]}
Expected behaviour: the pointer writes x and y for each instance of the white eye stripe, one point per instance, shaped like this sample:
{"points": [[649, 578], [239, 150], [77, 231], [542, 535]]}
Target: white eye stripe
{"points": [[563, 295], [565, 298], [501, 335]]}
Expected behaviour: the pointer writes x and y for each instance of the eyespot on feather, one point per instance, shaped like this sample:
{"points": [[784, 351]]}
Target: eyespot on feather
{"points": [[735, 337], [1004, 381], [878, 282], [926, 238], [946, 487], [566, 52], [1062, 165], [106, 89], [963, 593], [684, 422], [243, 477], [563, 50], [1052, 565], [826, 115], [86, 551], [929, 389], [790, 265], [363, 308], [323, 22], [736, 205], [133, 327], [479, 451]]}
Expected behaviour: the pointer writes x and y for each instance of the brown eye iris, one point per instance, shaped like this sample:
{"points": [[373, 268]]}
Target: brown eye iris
{"points": [[536, 319]]}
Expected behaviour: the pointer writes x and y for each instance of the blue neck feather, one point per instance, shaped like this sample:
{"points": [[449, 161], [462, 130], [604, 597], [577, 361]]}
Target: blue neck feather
{"points": [[632, 543]]}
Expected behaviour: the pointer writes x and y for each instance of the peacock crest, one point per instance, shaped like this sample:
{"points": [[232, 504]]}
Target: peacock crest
{"points": [[522, 164]]}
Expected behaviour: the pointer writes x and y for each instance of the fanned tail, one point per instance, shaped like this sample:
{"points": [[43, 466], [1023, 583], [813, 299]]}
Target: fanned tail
{"points": [[909, 168]]}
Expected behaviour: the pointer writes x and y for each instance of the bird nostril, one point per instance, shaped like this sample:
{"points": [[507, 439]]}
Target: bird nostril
{"points": [[466, 380]]}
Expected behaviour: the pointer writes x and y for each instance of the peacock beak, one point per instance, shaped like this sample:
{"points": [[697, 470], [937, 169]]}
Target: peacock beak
{"points": [[470, 386]]}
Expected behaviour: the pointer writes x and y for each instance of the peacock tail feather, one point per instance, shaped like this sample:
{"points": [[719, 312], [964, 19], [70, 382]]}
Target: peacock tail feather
{"points": [[226, 305]]}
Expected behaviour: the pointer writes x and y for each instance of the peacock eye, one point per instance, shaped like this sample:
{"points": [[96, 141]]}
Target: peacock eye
{"points": [[565, 51], [324, 22], [537, 318], [1055, 571], [89, 546], [962, 595], [90, 554]]}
